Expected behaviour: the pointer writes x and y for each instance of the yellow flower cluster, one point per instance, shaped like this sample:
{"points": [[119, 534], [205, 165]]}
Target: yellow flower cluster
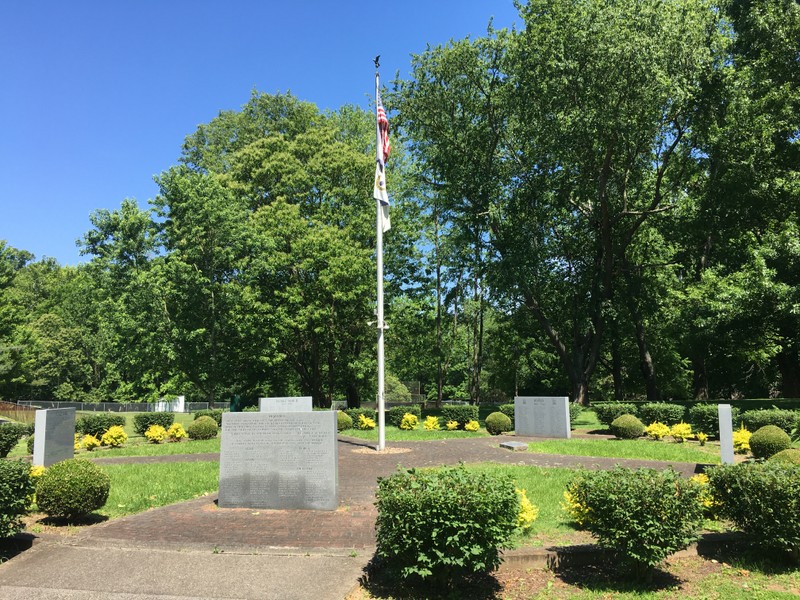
{"points": [[471, 426], [409, 422], [528, 512], [577, 511], [176, 432], [702, 438], [451, 425], [741, 440], [431, 423], [365, 422], [90, 442], [155, 434], [657, 430], [114, 437], [681, 432]]}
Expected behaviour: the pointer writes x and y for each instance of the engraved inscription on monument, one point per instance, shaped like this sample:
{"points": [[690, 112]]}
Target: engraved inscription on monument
{"points": [[279, 460], [54, 438], [287, 404], [542, 416]]}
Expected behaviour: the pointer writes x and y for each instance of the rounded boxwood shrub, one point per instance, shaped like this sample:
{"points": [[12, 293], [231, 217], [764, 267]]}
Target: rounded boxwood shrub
{"points": [[215, 413], [204, 428], [343, 421], [661, 412], [72, 488], [644, 514], [507, 410], [16, 489], [763, 500], [442, 524], [769, 440], [627, 427], [10, 434], [608, 411], [497, 423], [790, 455], [142, 421], [97, 423]]}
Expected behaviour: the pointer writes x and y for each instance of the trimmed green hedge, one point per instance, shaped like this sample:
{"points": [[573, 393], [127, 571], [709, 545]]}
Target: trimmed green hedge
{"points": [[16, 489], [98, 423], [705, 418], [214, 413], [353, 413], [462, 413], [142, 421], [661, 412], [608, 411], [783, 418], [395, 414], [10, 434]]}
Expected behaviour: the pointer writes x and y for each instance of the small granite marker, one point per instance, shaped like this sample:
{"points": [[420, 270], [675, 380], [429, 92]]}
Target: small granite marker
{"points": [[286, 404], [54, 438], [725, 433], [514, 446], [538, 416], [279, 460]]}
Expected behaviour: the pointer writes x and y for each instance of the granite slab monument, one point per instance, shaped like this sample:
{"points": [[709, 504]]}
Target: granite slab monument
{"points": [[54, 436], [286, 404], [542, 416], [725, 433], [279, 460]]}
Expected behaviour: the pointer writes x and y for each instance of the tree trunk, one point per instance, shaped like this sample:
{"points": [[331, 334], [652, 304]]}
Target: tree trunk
{"points": [[699, 378], [789, 368]]}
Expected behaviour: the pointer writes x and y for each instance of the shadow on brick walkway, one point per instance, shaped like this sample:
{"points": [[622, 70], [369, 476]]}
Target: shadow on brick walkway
{"points": [[200, 524]]}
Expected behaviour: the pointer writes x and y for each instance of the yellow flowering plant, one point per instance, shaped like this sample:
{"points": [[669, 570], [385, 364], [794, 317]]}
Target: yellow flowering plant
{"points": [[114, 437], [176, 432], [681, 432], [741, 440], [155, 434], [472, 425], [701, 437], [90, 442], [364, 422], [451, 425], [528, 512], [657, 431], [409, 422], [431, 423]]}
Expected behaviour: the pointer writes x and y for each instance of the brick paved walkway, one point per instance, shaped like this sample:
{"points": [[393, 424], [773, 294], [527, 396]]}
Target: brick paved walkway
{"points": [[200, 524]]}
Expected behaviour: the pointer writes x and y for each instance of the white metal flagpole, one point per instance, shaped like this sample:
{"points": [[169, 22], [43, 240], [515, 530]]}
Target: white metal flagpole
{"points": [[379, 251]]}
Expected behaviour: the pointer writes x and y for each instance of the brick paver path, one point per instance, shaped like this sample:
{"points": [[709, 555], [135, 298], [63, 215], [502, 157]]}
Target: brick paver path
{"points": [[200, 524]]}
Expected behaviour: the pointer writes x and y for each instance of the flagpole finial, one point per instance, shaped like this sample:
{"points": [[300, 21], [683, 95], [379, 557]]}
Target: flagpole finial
{"points": [[377, 62]]}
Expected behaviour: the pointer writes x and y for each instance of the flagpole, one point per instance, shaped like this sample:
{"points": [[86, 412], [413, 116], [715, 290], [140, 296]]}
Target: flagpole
{"points": [[379, 251]]}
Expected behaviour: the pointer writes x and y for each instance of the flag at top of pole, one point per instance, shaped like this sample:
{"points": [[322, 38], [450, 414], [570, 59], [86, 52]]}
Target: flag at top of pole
{"points": [[381, 154]]}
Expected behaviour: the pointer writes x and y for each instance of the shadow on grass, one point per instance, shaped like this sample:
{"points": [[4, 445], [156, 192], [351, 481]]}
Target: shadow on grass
{"points": [[738, 550], [92, 519], [383, 582], [607, 575]]}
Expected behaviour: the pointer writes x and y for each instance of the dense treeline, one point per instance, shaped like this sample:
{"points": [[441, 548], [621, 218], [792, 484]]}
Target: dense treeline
{"points": [[602, 203]]}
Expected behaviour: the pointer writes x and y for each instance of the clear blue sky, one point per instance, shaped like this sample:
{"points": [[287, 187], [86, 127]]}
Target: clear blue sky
{"points": [[97, 96]]}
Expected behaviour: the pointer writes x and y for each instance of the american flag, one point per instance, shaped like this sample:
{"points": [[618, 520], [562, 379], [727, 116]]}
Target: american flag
{"points": [[383, 126]]}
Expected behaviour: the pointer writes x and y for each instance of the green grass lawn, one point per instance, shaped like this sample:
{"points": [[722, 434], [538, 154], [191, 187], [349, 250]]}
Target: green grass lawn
{"points": [[395, 434], [635, 449], [139, 487]]}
